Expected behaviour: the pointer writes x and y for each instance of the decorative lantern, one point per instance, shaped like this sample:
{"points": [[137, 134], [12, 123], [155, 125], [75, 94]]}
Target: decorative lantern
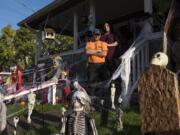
{"points": [[49, 33]]}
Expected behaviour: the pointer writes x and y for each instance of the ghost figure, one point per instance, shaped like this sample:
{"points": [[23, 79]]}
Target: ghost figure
{"points": [[77, 120], [3, 110], [31, 103], [77, 86], [160, 59]]}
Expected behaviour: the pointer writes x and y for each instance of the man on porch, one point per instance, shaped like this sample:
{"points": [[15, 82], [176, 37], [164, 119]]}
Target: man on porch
{"points": [[96, 51]]}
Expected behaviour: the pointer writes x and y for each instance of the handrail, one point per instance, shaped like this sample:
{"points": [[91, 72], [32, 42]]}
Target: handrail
{"points": [[133, 63], [71, 52], [44, 85]]}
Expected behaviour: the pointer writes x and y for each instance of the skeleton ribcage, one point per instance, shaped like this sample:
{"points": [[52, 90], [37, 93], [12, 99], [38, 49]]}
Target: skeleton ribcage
{"points": [[77, 124]]}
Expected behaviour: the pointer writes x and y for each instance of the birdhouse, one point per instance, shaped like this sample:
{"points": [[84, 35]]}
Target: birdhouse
{"points": [[49, 33]]}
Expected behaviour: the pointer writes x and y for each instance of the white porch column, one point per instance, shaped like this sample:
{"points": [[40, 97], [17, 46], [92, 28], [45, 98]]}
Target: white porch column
{"points": [[92, 15], [52, 94], [148, 6], [75, 27]]}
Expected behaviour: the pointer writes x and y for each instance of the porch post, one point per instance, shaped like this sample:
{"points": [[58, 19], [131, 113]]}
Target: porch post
{"points": [[148, 22], [38, 45], [92, 15], [75, 30], [148, 6]]}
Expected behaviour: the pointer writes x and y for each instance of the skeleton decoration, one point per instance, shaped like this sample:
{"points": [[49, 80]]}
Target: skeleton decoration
{"points": [[119, 113], [57, 62], [58, 65], [64, 75], [160, 59], [113, 91], [31, 103], [77, 120], [3, 109], [15, 120], [63, 120]]}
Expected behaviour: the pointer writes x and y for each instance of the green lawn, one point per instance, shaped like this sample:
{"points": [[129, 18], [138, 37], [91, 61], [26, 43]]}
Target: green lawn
{"points": [[131, 121]]}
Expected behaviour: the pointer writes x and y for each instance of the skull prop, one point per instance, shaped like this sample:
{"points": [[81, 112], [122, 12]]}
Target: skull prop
{"points": [[160, 59]]}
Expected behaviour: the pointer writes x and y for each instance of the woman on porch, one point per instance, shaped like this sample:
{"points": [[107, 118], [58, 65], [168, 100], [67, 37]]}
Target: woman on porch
{"points": [[112, 43]]}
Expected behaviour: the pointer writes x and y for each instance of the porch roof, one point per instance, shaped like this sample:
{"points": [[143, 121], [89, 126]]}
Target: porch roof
{"points": [[59, 13]]}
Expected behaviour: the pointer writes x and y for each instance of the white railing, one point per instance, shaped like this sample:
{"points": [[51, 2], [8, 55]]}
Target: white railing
{"points": [[43, 86], [137, 62], [133, 63]]}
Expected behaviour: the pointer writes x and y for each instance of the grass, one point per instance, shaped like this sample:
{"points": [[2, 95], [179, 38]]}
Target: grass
{"points": [[131, 121]]}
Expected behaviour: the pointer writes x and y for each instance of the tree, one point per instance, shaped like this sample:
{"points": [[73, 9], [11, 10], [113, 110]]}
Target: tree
{"points": [[7, 49], [24, 44], [18, 47]]}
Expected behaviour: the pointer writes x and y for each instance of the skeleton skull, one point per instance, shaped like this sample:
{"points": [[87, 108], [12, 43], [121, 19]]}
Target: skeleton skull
{"points": [[160, 59]]}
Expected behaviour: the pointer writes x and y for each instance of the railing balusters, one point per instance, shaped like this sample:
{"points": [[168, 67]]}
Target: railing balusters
{"points": [[143, 58], [134, 69], [147, 53], [138, 65]]}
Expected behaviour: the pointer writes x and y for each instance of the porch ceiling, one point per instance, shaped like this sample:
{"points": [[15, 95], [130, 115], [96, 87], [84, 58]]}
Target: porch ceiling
{"points": [[59, 14]]}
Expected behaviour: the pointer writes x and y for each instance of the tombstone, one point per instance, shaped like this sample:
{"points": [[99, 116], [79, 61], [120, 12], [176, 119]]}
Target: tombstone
{"points": [[159, 100]]}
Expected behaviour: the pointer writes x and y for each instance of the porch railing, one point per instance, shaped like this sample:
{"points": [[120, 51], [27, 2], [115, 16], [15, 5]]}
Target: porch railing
{"points": [[134, 61]]}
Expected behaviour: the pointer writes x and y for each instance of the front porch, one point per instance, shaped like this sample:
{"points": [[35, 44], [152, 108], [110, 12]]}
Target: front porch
{"points": [[77, 17]]}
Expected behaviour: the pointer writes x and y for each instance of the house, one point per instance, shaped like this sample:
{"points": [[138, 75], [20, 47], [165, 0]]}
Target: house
{"points": [[73, 17]]}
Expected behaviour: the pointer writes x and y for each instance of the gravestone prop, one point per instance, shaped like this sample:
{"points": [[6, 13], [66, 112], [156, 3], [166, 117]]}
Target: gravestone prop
{"points": [[159, 99]]}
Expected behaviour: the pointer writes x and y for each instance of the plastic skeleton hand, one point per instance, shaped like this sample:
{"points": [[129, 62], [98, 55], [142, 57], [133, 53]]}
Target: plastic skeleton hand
{"points": [[113, 91], [31, 103]]}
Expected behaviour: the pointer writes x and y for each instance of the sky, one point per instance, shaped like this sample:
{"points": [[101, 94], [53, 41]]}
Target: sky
{"points": [[14, 11]]}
